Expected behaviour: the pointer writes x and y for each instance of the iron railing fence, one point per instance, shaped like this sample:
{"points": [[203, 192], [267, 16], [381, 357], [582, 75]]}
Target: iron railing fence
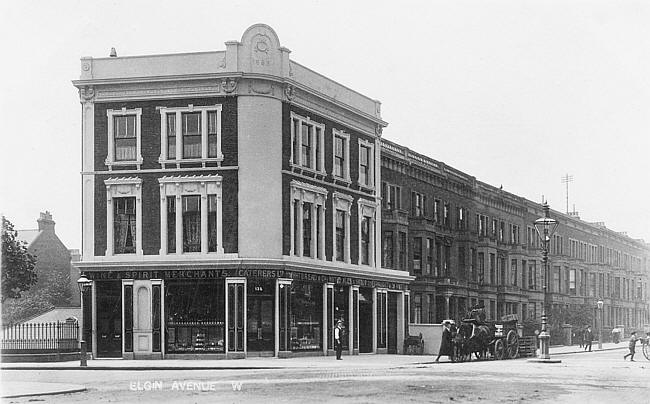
{"points": [[40, 337]]}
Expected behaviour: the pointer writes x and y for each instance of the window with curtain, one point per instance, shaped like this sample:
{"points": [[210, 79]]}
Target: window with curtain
{"points": [[417, 255], [191, 223], [364, 165], [388, 249], [124, 230], [365, 240], [339, 156], [191, 135], [306, 146], [171, 136], [125, 138], [306, 229], [212, 134], [340, 235], [212, 223], [171, 224]]}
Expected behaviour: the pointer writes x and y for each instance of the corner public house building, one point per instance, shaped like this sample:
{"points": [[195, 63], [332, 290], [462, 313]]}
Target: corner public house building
{"points": [[231, 208]]}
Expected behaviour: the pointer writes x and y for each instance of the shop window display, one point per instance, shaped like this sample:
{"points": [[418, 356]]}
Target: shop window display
{"points": [[195, 314], [306, 316]]}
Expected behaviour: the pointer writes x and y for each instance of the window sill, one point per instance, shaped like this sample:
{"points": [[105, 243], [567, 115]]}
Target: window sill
{"points": [[110, 164], [343, 181], [203, 161], [367, 188], [303, 170]]}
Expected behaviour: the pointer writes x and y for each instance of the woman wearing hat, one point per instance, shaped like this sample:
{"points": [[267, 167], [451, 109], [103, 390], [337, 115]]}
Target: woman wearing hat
{"points": [[446, 345]]}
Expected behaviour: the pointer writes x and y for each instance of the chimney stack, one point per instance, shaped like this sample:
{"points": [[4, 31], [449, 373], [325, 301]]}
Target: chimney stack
{"points": [[45, 222]]}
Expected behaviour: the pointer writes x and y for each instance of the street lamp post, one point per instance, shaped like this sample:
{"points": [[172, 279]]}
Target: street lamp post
{"points": [[84, 284], [545, 227], [600, 323]]}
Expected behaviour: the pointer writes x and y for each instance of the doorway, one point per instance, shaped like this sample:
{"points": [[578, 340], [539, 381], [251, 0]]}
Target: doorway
{"points": [[365, 320], [109, 319], [260, 330], [392, 322]]}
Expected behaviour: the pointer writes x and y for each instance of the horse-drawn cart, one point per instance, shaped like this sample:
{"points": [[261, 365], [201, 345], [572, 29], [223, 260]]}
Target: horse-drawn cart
{"points": [[486, 339]]}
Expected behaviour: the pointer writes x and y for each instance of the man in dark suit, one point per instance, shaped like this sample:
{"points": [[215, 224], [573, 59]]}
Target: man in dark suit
{"points": [[588, 337]]}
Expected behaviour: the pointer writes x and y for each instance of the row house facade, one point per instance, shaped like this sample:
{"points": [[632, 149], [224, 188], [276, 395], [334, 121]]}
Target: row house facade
{"points": [[231, 208], [468, 243]]}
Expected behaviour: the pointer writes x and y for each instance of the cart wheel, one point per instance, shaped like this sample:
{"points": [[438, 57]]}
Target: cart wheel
{"points": [[499, 349], [646, 350], [512, 344]]}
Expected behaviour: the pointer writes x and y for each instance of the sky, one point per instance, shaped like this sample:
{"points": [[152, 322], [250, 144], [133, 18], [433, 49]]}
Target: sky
{"points": [[515, 93]]}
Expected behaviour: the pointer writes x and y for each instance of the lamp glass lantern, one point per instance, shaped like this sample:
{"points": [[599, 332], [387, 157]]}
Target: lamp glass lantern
{"points": [[83, 283]]}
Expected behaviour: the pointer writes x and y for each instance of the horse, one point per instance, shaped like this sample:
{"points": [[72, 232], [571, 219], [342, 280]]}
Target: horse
{"points": [[475, 339]]}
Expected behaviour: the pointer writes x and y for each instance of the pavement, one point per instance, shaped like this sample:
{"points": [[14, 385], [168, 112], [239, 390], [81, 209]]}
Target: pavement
{"points": [[24, 389]]}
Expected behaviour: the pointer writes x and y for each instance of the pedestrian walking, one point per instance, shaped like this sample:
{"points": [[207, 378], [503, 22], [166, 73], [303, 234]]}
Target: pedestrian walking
{"points": [[338, 339], [446, 344], [579, 336], [631, 346], [588, 337]]}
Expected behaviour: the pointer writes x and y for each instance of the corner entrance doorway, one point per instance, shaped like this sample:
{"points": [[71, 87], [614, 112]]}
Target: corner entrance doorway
{"points": [[260, 331], [109, 319]]}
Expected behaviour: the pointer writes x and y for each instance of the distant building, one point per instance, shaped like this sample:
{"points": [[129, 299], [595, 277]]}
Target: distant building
{"points": [[468, 243], [53, 261]]}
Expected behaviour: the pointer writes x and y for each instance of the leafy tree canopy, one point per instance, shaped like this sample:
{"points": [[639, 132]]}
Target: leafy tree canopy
{"points": [[18, 273]]}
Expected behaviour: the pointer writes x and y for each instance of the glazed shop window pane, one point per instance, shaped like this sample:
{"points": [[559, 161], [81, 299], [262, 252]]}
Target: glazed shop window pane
{"points": [[195, 314], [306, 316]]}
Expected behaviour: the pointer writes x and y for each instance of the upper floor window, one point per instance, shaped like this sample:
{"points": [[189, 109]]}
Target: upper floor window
{"points": [[417, 204], [430, 252], [124, 223], [366, 214], [387, 249], [391, 196], [190, 215], [445, 215], [341, 155], [417, 255], [342, 206], [124, 145], [123, 216], [307, 215], [366, 164], [307, 143], [437, 211], [191, 133], [460, 218], [481, 268]]}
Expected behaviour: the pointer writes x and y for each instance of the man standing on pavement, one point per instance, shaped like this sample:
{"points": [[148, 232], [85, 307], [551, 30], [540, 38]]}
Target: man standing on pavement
{"points": [[589, 336], [631, 346], [338, 335]]}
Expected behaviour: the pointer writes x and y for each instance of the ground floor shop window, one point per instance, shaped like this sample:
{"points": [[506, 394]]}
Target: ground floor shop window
{"points": [[195, 314], [306, 321], [341, 310]]}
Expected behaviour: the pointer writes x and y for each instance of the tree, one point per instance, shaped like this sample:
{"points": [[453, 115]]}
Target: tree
{"points": [[18, 273]]}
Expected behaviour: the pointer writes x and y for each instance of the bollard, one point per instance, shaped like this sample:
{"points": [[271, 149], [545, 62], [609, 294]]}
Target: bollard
{"points": [[84, 362]]}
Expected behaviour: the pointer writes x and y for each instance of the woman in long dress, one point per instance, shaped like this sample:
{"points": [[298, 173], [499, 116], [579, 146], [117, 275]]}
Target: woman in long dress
{"points": [[446, 344]]}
